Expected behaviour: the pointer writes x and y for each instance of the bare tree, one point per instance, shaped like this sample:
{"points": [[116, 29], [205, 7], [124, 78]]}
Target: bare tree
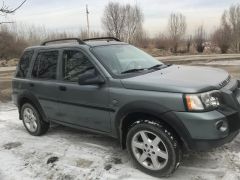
{"points": [[4, 10], [114, 19], [140, 38], [177, 28], [231, 17], [161, 41], [133, 22], [10, 44], [223, 35], [200, 38], [189, 43], [7, 10], [122, 21]]}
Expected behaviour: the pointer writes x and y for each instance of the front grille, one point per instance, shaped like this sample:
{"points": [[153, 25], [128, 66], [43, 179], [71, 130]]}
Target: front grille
{"points": [[225, 82], [232, 85], [231, 94]]}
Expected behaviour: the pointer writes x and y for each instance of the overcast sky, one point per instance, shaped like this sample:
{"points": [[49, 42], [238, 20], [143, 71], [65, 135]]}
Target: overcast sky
{"points": [[69, 15]]}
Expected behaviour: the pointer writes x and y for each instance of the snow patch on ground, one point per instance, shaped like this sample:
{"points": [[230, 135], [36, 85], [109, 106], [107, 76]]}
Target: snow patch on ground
{"points": [[67, 154]]}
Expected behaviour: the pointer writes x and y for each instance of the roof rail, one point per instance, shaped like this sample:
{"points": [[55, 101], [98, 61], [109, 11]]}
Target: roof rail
{"points": [[102, 38], [64, 39]]}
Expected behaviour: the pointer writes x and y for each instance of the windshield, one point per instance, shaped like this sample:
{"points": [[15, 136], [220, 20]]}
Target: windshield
{"points": [[123, 58]]}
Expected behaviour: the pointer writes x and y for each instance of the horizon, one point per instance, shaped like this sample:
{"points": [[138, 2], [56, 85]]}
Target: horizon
{"points": [[70, 16]]}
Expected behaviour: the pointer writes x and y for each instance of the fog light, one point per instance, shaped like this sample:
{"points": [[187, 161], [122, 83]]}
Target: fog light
{"points": [[222, 126]]}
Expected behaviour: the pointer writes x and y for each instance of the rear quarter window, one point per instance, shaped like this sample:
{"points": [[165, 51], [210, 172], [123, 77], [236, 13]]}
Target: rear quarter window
{"points": [[24, 63]]}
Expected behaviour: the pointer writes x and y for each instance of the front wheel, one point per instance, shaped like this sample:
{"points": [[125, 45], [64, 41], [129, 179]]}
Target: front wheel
{"points": [[153, 148]]}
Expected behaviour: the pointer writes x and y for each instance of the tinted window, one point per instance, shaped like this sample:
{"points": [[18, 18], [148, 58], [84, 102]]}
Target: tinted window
{"points": [[45, 66], [24, 64], [75, 63]]}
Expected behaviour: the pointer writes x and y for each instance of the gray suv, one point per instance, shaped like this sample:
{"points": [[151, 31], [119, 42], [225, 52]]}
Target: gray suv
{"points": [[106, 86]]}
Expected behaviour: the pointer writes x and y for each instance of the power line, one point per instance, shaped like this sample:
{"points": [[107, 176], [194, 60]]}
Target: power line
{"points": [[6, 23]]}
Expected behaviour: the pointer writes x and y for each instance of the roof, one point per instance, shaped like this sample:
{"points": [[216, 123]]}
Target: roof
{"points": [[102, 43], [89, 43]]}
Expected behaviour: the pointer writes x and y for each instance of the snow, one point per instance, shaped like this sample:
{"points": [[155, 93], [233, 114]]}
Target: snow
{"points": [[201, 57], [82, 155]]}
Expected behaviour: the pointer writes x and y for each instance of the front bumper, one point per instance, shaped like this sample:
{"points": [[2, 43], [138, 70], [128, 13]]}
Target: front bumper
{"points": [[202, 132], [202, 145]]}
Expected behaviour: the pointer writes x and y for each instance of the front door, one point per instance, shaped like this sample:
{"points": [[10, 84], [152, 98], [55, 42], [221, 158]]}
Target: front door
{"points": [[83, 105]]}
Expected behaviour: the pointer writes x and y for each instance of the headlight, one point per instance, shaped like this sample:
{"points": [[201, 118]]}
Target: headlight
{"points": [[203, 101]]}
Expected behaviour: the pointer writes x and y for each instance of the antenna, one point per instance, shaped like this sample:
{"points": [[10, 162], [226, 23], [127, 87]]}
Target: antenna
{"points": [[87, 12]]}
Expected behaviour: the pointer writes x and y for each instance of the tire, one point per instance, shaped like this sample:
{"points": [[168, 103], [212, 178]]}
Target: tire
{"points": [[32, 120], [160, 149]]}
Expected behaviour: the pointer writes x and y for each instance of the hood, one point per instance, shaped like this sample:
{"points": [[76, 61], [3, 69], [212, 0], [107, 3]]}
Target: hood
{"points": [[181, 79]]}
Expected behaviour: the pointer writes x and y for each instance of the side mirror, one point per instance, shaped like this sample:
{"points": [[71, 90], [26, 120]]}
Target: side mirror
{"points": [[90, 77]]}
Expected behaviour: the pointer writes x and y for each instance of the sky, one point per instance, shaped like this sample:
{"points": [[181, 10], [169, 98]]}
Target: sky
{"points": [[69, 15]]}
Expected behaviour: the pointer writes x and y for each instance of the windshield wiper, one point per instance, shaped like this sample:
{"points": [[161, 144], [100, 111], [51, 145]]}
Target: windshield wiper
{"points": [[156, 66], [132, 70]]}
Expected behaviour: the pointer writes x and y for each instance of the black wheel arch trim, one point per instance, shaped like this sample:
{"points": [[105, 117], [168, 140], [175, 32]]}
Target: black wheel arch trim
{"points": [[154, 109], [33, 100]]}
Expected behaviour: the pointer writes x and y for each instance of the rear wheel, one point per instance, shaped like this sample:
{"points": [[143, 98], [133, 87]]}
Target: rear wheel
{"points": [[32, 120], [154, 148]]}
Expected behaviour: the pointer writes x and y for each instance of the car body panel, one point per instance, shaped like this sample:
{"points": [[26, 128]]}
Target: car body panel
{"points": [[181, 79]]}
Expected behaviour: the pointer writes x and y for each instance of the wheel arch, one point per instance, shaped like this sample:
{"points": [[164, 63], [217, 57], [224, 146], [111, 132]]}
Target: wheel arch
{"points": [[28, 97], [133, 112]]}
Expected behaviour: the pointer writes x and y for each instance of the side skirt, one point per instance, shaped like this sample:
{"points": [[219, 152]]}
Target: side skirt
{"points": [[86, 129]]}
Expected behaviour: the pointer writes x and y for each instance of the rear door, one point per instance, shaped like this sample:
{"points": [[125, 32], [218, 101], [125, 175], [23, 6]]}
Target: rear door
{"points": [[83, 105], [43, 82]]}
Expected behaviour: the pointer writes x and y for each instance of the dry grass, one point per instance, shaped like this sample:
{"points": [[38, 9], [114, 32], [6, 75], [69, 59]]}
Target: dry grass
{"points": [[5, 85], [11, 62]]}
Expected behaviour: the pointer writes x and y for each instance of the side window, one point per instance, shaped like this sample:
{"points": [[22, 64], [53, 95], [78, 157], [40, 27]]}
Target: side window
{"points": [[24, 64], [75, 63], [45, 66]]}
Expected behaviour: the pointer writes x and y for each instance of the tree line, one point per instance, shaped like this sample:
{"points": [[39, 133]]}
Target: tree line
{"points": [[125, 21]]}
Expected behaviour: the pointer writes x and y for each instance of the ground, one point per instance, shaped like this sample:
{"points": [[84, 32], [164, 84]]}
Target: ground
{"points": [[67, 154]]}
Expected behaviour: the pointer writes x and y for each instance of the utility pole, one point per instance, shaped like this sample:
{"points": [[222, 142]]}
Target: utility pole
{"points": [[87, 12]]}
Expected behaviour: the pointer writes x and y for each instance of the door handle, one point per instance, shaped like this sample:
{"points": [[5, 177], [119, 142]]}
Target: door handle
{"points": [[31, 84], [62, 88]]}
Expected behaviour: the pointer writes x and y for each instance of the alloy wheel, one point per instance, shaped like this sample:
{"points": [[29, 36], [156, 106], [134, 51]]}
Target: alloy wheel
{"points": [[30, 119], [149, 150]]}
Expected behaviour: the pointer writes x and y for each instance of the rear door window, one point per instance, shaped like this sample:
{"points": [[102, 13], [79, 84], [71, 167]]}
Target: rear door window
{"points": [[24, 63], [45, 66]]}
